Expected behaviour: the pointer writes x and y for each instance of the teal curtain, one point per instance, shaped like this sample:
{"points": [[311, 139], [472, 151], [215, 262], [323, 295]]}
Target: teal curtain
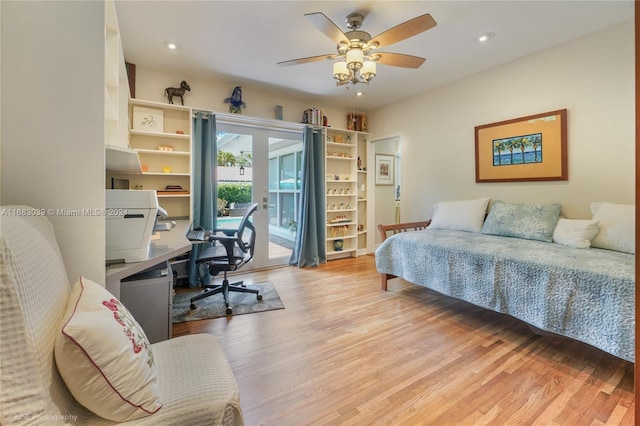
{"points": [[310, 247], [204, 192]]}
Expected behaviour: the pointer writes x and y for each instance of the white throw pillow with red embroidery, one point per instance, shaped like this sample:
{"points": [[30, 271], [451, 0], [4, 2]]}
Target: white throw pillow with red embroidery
{"points": [[104, 357]]}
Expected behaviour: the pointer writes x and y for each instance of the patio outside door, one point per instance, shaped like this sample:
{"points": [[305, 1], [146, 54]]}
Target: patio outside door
{"points": [[260, 165]]}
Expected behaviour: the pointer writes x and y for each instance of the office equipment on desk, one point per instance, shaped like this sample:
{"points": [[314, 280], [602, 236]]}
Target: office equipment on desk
{"points": [[131, 219]]}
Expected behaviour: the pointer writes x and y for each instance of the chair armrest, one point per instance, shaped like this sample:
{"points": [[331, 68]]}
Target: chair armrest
{"points": [[228, 242], [402, 227], [221, 238], [226, 231]]}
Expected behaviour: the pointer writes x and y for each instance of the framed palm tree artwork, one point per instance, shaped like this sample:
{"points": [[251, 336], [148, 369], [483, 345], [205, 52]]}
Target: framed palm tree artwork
{"points": [[532, 148]]}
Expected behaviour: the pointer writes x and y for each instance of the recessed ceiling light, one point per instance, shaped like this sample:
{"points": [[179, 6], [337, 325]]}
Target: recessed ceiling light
{"points": [[359, 93], [485, 37], [172, 46]]}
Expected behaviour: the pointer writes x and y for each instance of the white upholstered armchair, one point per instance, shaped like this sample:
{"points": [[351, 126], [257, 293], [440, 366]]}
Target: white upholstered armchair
{"points": [[195, 384]]}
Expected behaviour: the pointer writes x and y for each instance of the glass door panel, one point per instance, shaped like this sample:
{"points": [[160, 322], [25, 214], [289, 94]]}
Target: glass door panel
{"points": [[284, 193], [262, 166]]}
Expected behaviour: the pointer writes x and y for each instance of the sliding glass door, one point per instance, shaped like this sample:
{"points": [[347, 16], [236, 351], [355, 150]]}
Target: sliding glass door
{"points": [[260, 164]]}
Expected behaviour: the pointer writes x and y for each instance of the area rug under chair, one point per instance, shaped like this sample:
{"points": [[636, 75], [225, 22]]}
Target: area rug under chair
{"points": [[214, 307]]}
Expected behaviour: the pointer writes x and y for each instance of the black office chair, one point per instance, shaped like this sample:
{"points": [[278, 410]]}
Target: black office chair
{"points": [[232, 249]]}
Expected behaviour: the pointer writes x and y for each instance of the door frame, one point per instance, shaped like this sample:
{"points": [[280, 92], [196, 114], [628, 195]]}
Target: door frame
{"points": [[260, 130], [398, 175]]}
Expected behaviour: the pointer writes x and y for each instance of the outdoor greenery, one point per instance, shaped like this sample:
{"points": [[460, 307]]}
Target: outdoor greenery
{"points": [[222, 204], [231, 160], [293, 226], [235, 192]]}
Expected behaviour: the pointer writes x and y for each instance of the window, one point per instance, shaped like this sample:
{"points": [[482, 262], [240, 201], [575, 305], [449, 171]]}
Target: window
{"points": [[285, 176]]}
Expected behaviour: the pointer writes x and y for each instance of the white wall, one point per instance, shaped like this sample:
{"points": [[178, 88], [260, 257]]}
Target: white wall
{"points": [[209, 94], [593, 77], [52, 137]]}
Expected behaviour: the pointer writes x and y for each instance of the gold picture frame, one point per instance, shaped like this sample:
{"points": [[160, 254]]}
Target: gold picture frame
{"points": [[532, 148]]}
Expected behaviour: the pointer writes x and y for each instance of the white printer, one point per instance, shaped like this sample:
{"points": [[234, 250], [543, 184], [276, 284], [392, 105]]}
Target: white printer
{"points": [[131, 219]]}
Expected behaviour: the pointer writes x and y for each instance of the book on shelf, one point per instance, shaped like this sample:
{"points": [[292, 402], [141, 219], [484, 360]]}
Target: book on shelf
{"points": [[172, 190], [314, 116]]}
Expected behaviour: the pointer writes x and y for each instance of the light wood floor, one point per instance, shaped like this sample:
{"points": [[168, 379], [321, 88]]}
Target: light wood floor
{"points": [[343, 352]]}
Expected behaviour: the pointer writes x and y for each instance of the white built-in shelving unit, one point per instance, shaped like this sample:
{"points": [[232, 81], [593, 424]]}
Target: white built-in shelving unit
{"points": [[164, 155], [347, 208], [116, 96]]}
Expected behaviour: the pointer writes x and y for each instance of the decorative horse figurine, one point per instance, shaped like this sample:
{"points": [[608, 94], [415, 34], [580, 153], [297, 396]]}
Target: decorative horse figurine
{"points": [[170, 92]]}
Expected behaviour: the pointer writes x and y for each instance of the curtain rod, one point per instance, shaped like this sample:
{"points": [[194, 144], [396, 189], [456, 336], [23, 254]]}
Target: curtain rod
{"points": [[253, 122]]}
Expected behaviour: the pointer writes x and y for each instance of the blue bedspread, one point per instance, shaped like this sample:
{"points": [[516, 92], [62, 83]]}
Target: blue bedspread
{"points": [[585, 294]]}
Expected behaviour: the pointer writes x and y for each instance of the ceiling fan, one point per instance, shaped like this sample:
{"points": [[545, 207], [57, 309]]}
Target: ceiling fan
{"points": [[358, 50]]}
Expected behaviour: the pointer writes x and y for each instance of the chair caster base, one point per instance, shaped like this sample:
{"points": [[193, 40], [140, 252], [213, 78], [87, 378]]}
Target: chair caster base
{"points": [[229, 310], [193, 306]]}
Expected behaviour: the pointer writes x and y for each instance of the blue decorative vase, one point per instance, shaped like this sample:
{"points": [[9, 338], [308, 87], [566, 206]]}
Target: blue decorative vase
{"points": [[338, 245]]}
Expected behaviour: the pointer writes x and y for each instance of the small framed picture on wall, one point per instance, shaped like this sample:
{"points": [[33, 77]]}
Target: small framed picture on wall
{"points": [[384, 169]]}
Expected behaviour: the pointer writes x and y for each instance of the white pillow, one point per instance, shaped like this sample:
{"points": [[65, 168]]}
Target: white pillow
{"points": [[617, 226], [104, 356], [466, 215], [575, 233]]}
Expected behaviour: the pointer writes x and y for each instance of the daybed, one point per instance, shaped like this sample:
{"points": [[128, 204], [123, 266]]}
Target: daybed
{"points": [[583, 293], [193, 381]]}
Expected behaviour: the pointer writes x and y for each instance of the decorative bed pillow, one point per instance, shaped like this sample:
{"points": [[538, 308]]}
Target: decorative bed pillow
{"points": [[617, 226], [575, 233], [467, 215], [104, 356], [528, 221]]}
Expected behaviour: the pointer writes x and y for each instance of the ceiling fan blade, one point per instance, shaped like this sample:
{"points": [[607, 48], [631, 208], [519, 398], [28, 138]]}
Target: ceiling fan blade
{"points": [[327, 27], [399, 60], [308, 59], [405, 30]]}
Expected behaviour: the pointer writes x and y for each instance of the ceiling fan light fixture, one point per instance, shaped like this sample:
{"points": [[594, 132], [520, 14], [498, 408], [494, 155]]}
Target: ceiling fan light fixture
{"points": [[355, 57], [368, 70], [340, 71], [354, 68]]}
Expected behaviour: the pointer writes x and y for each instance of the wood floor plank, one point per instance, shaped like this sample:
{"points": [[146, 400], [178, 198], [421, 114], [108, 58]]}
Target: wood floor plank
{"points": [[343, 352]]}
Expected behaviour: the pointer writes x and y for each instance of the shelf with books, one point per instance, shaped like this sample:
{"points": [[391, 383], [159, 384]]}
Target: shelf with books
{"points": [[314, 116]]}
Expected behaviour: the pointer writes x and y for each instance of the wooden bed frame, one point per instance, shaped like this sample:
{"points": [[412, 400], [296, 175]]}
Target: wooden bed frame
{"points": [[396, 229]]}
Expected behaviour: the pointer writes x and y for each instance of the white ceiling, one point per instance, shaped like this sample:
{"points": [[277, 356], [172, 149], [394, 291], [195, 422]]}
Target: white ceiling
{"points": [[242, 41]]}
